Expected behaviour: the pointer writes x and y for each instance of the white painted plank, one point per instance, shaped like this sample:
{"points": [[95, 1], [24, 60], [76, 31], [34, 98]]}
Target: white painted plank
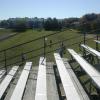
{"points": [[89, 69], [97, 41], [41, 89], [75, 80], [69, 88], [2, 72], [5, 83], [20, 87], [31, 85], [91, 50]]}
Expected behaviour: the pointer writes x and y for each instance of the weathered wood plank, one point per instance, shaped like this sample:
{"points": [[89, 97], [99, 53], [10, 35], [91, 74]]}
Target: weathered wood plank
{"points": [[31, 84], [91, 50], [76, 82], [5, 83], [13, 85], [52, 93], [41, 89], [2, 72], [20, 87], [69, 88]]}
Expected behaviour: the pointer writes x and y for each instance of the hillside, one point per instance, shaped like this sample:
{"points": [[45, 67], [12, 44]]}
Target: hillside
{"points": [[71, 38]]}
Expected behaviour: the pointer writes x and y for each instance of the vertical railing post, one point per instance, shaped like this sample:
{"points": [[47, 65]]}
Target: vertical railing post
{"points": [[84, 52], [5, 55], [23, 56], [84, 38], [80, 46], [44, 46], [97, 43]]}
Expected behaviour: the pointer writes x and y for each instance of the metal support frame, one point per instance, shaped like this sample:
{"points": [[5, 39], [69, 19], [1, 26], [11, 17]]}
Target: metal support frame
{"points": [[80, 47], [97, 60], [58, 80], [91, 59], [98, 91], [84, 38], [90, 87], [84, 51], [97, 46]]}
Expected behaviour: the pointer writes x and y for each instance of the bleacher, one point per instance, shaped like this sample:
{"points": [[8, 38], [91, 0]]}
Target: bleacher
{"points": [[55, 80], [2, 72], [89, 69], [39, 89], [71, 91], [91, 50]]}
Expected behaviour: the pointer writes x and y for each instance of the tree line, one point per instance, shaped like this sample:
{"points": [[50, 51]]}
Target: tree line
{"points": [[85, 23]]}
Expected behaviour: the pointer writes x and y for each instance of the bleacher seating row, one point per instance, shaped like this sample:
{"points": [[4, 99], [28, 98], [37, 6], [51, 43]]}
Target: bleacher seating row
{"points": [[2, 72], [41, 89], [70, 89], [68, 85]]}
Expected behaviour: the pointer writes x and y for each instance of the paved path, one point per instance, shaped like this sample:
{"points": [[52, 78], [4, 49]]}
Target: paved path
{"points": [[6, 36]]}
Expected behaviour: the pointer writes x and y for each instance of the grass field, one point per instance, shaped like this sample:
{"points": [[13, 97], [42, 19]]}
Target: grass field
{"points": [[33, 34]]}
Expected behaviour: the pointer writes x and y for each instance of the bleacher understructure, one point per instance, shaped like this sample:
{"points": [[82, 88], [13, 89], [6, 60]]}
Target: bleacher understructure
{"points": [[52, 81]]}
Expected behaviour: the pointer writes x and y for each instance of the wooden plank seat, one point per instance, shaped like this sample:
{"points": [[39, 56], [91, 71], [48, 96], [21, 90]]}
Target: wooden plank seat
{"points": [[91, 50], [5, 83], [89, 69], [20, 87], [41, 89], [75, 79], [2, 72], [69, 88], [97, 41]]}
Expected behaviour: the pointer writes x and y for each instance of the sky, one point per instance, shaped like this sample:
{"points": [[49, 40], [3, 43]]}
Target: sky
{"points": [[47, 8]]}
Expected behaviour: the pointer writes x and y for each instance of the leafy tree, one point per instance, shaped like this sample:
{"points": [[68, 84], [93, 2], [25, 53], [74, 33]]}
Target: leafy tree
{"points": [[87, 22], [4, 24], [70, 22], [20, 25], [96, 25], [52, 24], [89, 17]]}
